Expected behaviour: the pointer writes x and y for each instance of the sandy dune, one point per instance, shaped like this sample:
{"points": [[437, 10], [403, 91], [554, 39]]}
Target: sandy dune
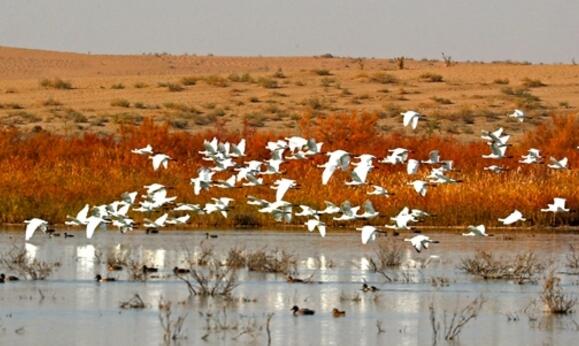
{"points": [[106, 90]]}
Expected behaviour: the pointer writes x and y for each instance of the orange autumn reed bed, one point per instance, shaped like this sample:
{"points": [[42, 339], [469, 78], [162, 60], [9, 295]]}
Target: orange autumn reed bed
{"points": [[49, 176]]}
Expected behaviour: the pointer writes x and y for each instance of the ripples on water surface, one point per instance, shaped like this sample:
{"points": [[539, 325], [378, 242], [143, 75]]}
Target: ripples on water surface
{"points": [[77, 310]]}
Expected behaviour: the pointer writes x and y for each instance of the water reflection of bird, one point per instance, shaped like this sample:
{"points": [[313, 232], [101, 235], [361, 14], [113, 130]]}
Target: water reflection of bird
{"points": [[304, 311], [338, 313]]}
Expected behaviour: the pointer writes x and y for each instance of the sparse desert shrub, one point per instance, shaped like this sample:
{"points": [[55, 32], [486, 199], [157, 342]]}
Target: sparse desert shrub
{"points": [[553, 297], [522, 268], [189, 81], [140, 85], [441, 100], [447, 60], [17, 260], [267, 83], [501, 81], [255, 119], [279, 74], [50, 102], [56, 83], [400, 62], [322, 72], [124, 103], [175, 87], [179, 124], [216, 81], [383, 78], [118, 86], [241, 78], [431, 77], [533, 83], [11, 105]]}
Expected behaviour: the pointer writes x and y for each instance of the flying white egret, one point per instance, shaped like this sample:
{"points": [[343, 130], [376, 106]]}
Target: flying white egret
{"points": [[495, 169], [282, 186], [79, 219], [182, 220], [348, 212], [433, 158], [558, 164], [32, 225], [420, 242], [160, 160], [411, 118], [476, 231], [518, 115], [514, 217], [412, 166], [312, 224], [331, 208], [533, 156], [368, 233], [93, 223], [148, 150], [398, 155], [378, 191], [557, 206], [420, 186], [307, 211], [337, 159], [498, 151], [369, 211], [202, 181], [157, 223], [402, 219]]}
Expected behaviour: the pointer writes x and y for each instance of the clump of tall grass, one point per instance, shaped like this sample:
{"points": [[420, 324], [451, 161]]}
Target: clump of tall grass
{"points": [[56, 83], [555, 300], [522, 268]]}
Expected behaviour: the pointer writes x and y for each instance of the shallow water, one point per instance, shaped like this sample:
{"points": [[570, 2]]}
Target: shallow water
{"points": [[71, 308]]}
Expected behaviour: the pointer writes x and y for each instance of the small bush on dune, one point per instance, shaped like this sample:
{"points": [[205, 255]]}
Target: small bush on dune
{"points": [[56, 83]]}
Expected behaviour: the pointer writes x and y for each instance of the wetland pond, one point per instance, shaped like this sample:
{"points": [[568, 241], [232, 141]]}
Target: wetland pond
{"points": [[70, 308]]}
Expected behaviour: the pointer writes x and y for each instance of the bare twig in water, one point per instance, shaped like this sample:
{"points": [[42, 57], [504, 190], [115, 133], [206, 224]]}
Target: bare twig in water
{"points": [[17, 260], [134, 303], [458, 321], [572, 258], [172, 328], [212, 281]]}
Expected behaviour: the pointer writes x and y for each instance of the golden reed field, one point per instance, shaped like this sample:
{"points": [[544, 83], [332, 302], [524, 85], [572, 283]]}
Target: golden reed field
{"points": [[69, 121]]}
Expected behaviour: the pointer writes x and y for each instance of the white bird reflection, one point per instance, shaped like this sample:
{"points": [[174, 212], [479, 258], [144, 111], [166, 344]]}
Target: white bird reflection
{"points": [[31, 251], [86, 255]]}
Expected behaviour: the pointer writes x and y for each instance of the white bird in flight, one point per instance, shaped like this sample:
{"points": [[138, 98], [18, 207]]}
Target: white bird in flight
{"points": [[32, 225], [420, 242], [558, 206], [514, 217], [411, 118], [558, 164], [518, 115], [313, 223], [160, 160], [79, 219], [476, 231], [148, 150]]}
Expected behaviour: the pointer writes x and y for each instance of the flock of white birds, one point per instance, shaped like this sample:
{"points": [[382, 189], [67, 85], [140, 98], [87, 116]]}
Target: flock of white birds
{"points": [[251, 173]]}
